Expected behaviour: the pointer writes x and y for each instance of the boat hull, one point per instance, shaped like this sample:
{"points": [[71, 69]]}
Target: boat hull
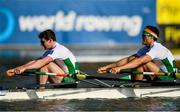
{"points": [[83, 93]]}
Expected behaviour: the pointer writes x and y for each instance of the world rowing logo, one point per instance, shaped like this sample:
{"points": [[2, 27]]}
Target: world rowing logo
{"points": [[8, 28]]}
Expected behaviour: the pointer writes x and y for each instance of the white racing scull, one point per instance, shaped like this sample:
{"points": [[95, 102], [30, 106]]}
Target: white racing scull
{"points": [[84, 93], [169, 89]]}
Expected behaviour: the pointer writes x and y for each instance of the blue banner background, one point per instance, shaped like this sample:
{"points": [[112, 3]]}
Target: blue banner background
{"points": [[22, 20]]}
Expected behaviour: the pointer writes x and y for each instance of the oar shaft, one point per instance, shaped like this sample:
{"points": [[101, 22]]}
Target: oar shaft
{"points": [[145, 73], [177, 75], [46, 73], [81, 77]]}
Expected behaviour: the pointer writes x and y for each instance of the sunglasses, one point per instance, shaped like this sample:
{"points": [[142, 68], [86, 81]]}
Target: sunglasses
{"points": [[148, 34], [42, 42], [144, 35]]}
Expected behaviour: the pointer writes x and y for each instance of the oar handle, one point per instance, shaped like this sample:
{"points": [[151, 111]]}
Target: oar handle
{"points": [[145, 73], [46, 73]]}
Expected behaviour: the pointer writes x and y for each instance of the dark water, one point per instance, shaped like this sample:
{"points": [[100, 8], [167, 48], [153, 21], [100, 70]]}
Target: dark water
{"points": [[128, 104]]}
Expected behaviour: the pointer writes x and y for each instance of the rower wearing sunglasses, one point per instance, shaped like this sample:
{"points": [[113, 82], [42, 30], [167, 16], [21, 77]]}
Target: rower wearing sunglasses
{"points": [[153, 57]]}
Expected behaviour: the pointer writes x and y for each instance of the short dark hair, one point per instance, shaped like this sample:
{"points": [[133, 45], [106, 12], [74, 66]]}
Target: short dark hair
{"points": [[48, 34], [153, 29]]}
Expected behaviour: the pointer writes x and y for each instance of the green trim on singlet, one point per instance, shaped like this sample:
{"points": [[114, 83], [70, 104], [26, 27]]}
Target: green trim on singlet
{"points": [[165, 77], [174, 64], [70, 66], [76, 66], [169, 68], [168, 65], [71, 69]]}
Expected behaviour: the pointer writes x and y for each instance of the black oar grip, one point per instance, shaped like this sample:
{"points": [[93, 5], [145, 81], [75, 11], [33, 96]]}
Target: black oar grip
{"points": [[127, 71], [122, 71]]}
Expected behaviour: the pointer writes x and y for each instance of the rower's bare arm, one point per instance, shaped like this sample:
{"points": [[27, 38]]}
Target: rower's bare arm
{"points": [[27, 64], [11, 72], [137, 62], [118, 63], [125, 60], [132, 64], [31, 65], [38, 63]]}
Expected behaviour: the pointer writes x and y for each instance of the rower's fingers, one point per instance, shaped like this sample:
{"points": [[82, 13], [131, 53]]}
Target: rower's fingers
{"points": [[113, 71], [18, 71], [102, 68], [10, 73], [102, 71], [99, 70]]}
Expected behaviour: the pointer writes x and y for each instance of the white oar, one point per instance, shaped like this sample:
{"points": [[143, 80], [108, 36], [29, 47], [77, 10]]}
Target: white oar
{"points": [[150, 73]]}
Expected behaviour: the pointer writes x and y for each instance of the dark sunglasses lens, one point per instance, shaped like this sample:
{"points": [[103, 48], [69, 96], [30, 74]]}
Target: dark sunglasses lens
{"points": [[145, 35], [42, 42]]}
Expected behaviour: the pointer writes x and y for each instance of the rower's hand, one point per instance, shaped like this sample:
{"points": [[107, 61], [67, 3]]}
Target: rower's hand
{"points": [[10, 72], [115, 70], [102, 70], [19, 70]]}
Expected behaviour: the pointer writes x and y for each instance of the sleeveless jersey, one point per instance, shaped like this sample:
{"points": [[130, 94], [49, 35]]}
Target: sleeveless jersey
{"points": [[161, 56], [64, 58]]}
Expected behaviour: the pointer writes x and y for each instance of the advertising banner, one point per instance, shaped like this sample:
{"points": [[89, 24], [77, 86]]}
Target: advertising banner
{"points": [[168, 18], [76, 22]]}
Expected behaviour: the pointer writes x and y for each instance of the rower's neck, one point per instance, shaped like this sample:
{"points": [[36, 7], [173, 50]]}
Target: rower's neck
{"points": [[151, 44], [54, 44]]}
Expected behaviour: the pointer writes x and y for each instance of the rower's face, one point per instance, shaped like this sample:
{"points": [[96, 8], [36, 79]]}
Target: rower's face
{"points": [[147, 39], [46, 43]]}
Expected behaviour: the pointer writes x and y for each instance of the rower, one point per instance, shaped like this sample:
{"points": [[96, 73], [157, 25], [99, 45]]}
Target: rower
{"points": [[153, 57], [56, 59]]}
